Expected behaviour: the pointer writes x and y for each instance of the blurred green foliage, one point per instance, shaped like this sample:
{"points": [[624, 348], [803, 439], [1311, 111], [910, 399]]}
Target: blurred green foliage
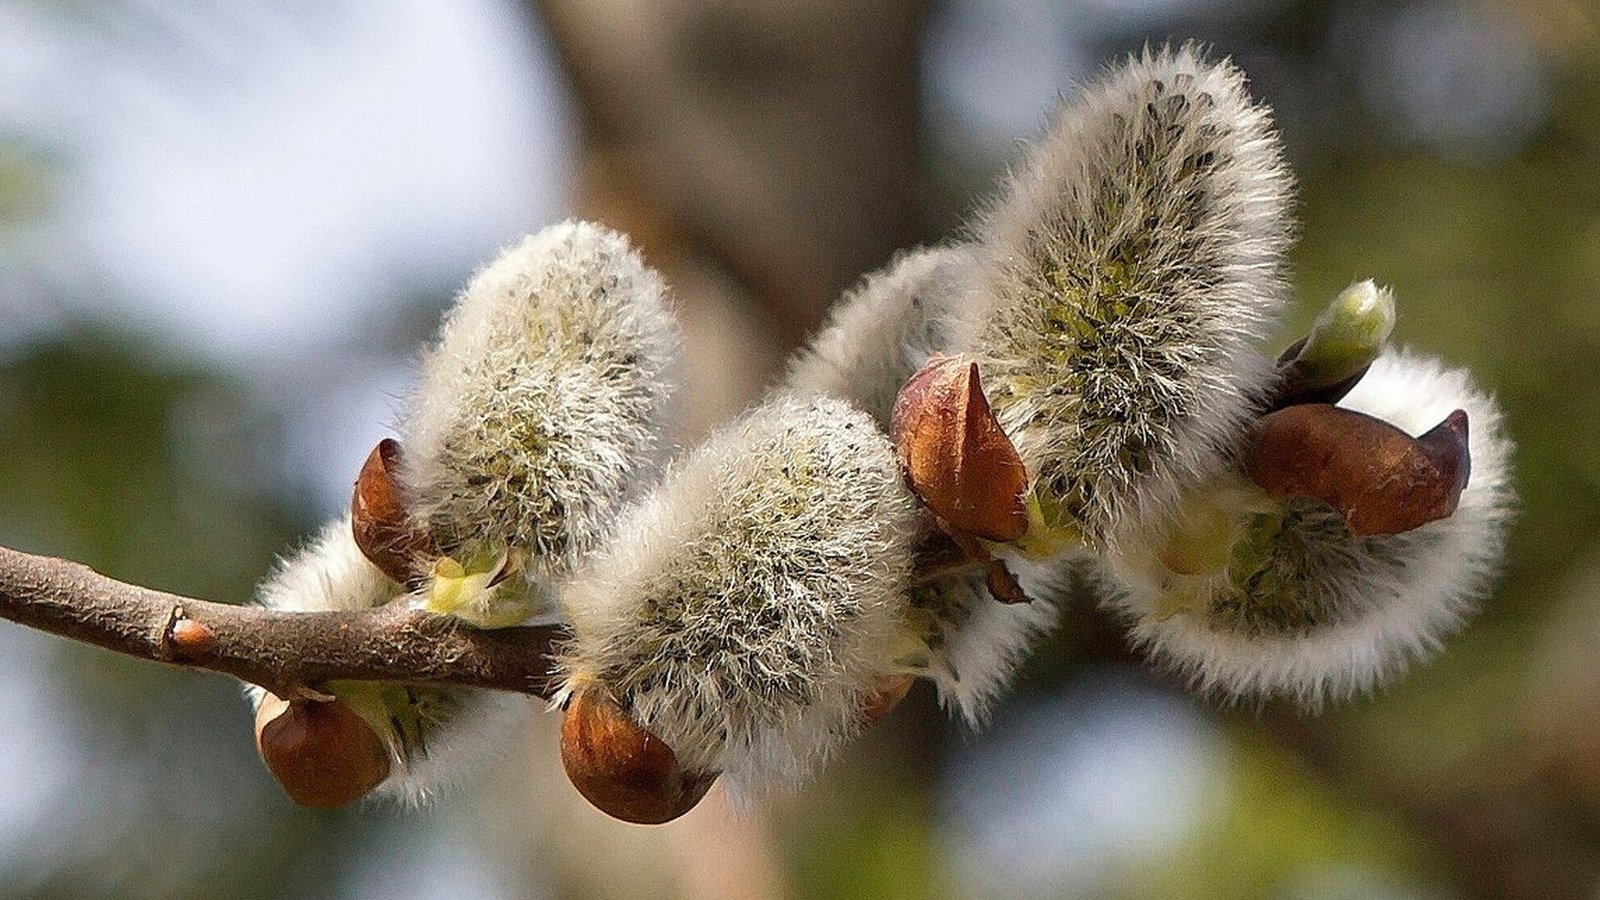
{"points": [[23, 192], [99, 439]]}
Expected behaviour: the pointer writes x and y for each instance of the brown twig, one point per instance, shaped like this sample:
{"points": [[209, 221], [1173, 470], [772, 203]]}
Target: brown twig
{"points": [[284, 652], [289, 653]]}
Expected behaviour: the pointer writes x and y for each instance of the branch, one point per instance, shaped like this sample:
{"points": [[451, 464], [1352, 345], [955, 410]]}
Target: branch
{"points": [[286, 652], [280, 651]]}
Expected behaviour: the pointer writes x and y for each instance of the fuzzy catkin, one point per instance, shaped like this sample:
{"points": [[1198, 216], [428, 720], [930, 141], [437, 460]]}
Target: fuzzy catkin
{"points": [[1329, 615], [955, 634], [540, 409], [1131, 262], [968, 643], [883, 330], [436, 735], [535, 415], [747, 605]]}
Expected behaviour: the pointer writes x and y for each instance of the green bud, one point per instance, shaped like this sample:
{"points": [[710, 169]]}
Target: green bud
{"points": [[1343, 342], [1350, 332], [479, 589]]}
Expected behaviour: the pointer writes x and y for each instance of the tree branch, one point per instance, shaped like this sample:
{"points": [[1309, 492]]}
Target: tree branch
{"points": [[280, 651]]}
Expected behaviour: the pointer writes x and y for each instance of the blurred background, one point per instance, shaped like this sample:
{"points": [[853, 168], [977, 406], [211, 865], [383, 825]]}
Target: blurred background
{"points": [[226, 227]]}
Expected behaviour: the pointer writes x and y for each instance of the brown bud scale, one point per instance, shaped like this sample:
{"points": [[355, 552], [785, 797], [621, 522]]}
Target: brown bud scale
{"points": [[190, 638], [1381, 479], [624, 770], [379, 517], [321, 751], [886, 695], [997, 576], [956, 457]]}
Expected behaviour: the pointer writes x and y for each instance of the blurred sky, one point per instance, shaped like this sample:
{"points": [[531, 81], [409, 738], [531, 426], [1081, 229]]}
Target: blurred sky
{"points": [[262, 186]]}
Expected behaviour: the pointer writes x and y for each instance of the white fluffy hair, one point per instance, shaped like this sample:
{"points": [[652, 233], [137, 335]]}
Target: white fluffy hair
{"points": [[1131, 262], [747, 605], [541, 407], [974, 642], [884, 329], [1351, 612], [329, 574], [877, 336], [436, 735]]}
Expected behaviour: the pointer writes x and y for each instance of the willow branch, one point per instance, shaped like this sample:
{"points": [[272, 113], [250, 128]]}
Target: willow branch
{"points": [[282, 651], [288, 652]]}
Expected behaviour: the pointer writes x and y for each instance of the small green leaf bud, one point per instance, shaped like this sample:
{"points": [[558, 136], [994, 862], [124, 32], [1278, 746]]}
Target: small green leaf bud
{"points": [[1346, 338]]}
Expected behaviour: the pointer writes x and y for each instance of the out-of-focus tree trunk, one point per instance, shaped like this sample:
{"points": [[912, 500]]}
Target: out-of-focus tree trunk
{"points": [[764, 153]]}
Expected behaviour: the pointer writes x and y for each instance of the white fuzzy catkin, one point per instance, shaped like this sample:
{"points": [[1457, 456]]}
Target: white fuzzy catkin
{"points": [[974, 643], [536, 414], [1345, 613], [883, 330], [746, 607], [435, 735], [1132, 260], [540, 409], [329, 574], [957, 635]]}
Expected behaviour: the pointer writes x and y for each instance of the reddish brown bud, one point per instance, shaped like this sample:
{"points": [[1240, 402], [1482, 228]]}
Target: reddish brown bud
{"points": [[956, 456], [997, 576], [321, 751], [1383, 480], [378, 516], [1002, 582], [189, 638], [885, 696], [624, 770]]}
